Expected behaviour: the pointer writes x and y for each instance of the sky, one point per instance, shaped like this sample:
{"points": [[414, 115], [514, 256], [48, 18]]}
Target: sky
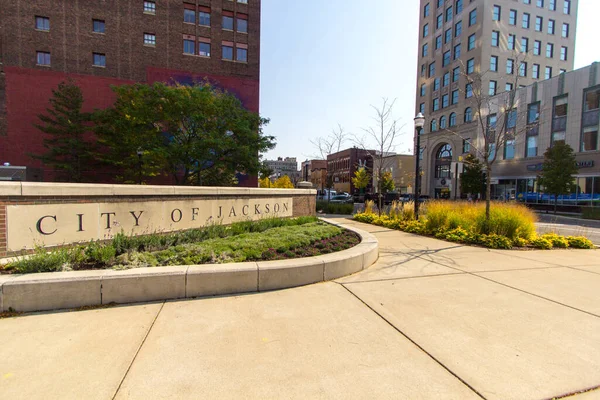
{"points": [[325, 63]]}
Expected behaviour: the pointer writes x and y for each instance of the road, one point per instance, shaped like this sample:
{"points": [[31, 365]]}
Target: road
{"points": [[568, 226]]}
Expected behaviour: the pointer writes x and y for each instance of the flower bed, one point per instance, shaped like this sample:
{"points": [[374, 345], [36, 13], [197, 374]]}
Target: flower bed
{"points": [[510, 225], [248, 241]]}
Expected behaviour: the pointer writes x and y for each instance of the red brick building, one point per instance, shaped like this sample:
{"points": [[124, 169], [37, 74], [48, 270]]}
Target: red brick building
{"points": [[112, 42], [341, 167]]}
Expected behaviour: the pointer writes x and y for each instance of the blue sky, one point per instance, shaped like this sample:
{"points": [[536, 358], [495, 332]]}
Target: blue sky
{"points": [[326, 62]]}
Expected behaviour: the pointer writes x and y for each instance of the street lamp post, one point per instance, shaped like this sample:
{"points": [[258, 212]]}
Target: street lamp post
{"points": [[140, 153], [419, 122]]}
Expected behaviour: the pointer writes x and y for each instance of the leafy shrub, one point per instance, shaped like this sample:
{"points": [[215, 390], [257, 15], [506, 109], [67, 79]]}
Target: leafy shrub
{"points": [[520, 242], [335, 208], [591, 213], [580, 242], [494, 241], [559, 242], [417, 227], [541, 243], [458, 235]]}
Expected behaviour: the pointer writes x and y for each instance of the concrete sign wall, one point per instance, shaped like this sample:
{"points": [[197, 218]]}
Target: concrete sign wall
{"points": [[57, 224]]}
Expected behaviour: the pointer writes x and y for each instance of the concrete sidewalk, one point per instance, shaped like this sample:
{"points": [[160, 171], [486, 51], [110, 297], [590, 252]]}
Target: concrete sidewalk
{"points": [[430, 320]]}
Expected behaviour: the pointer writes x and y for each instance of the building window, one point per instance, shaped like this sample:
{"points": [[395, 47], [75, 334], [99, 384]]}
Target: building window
{"points": [[525, 24], [549, 50], [149, 39], [452, 120], [565, 30], [228, 53], [438, 42], [524, 45], [548, 73], [457, 52], [42, 23], [448, 36], [241, 54], [458, 29], [227, 23], [539, 24], [431, 69], [449, 14], [540, 3], [98, 26], [567, 7], [43, 58], [445, 100], [99, 60], [446, 81], [459, 6], [508, 87], [471, 43], [469, 90], [433, 125], [468, 115], [512, 42], [563, 53], [497, 13], [559, 118], [552, 5], [443, 122], [494, 63], [439, 21], [423, 90], [426, 10], [532, 146], [440, 3], [535, 71], [189, 46], [204, 18], [470, 66], [492, 88], [523, 69], [512, 17], [242, 1], [589, 141], [446, 59], [473, 17], [436, 84], [551, 26], [204, 49], [150, 7], [189, 16], [242, 23], [436, 104], [443, 160], [510, 66], [455, 97], [425, 29], [422, 108], [455, 74], [425, 50], [495, 38], [537, 48], [509, 149], [466, 147]]}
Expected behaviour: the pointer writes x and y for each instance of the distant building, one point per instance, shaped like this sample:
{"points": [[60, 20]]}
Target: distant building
{"points": [[284, 166], [402, 167], [342, 165], [315, 172]]}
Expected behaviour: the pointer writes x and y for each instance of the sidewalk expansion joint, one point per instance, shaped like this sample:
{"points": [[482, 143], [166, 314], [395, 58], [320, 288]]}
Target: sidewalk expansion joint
{"points": [[413, 342], [138, 350]]}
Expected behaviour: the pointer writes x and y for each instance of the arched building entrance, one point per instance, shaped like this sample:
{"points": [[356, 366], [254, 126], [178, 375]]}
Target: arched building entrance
{"points": [[442, 178]]}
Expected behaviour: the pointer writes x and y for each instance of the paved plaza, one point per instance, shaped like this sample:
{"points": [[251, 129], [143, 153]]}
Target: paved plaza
{"points": [[430, 320]]}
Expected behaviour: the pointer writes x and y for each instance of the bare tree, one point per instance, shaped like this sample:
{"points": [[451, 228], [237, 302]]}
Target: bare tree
{"points": [[330, 144], [383, 134]]}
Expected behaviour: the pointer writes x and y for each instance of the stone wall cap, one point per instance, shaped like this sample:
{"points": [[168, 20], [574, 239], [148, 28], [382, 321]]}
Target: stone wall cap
{"points": [[222, 268], [92, 189], [146, 271]]}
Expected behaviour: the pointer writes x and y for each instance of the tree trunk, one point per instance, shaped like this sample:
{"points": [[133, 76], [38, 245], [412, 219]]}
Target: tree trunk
{"points": [[488, 194]]}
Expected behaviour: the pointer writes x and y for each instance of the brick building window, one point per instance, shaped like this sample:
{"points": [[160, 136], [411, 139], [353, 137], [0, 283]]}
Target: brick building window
{"points": [[189, 16], [189, 46], [98, 26], [42, 23], [149, 39], [204, 47], [243, 1], [227, 51], [99, 59], [43, 58], [242, 23], [228, 20], [204, 16], [150, 7], [241, 53]]}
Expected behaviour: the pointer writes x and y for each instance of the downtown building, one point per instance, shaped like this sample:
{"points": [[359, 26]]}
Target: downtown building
{"points": [[510, 44], [284, 166], [113, 42]]}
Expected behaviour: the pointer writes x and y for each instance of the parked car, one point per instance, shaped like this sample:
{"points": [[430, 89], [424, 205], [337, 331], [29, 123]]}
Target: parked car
{"points": [[342, 198]]}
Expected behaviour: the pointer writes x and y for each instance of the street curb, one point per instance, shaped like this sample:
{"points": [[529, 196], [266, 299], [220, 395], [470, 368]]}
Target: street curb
{"points": [[64, 290]]}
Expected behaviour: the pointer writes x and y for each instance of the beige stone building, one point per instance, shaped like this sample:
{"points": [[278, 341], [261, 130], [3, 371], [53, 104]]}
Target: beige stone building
{"points": [[402, 167], [508, 43]]}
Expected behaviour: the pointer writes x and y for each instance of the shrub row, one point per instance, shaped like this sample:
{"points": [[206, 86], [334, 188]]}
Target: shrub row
{"points": [[335, 208], [459, 234]]}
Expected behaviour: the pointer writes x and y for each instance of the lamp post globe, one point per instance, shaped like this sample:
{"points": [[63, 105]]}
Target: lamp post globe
{"points": [[419, 123]]}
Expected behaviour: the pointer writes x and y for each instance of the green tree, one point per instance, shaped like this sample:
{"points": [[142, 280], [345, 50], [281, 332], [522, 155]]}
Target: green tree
{"points": [[557, 173], [387, 183], [65, 126], [360, 179], [198, 134], [471, 180]]}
